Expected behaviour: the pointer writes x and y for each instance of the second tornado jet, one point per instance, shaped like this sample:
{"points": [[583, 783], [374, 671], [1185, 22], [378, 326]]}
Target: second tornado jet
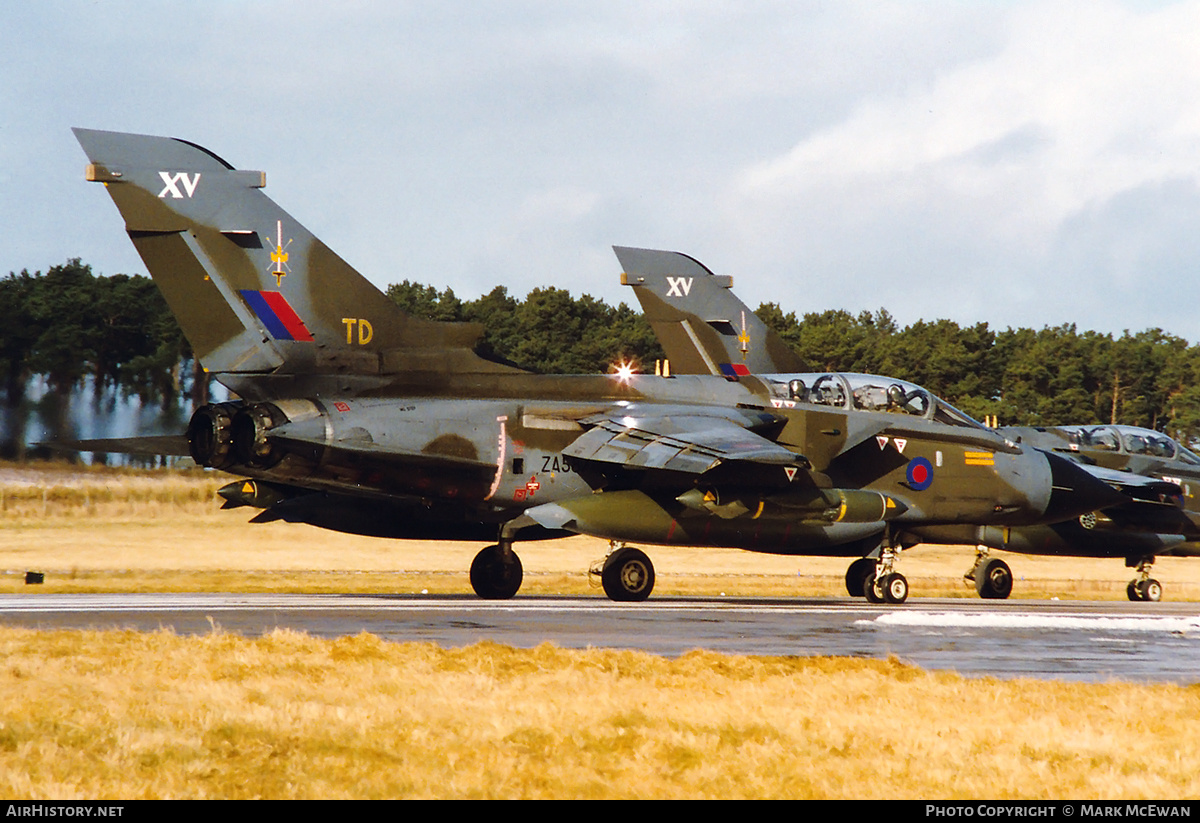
{"points": [[706, 329]]}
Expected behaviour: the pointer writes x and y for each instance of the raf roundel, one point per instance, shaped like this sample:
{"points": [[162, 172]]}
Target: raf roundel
{"points": [[920, 474]]}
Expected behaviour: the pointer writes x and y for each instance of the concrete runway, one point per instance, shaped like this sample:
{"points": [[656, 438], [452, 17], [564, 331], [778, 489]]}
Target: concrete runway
{"points": [[1144, 642]]}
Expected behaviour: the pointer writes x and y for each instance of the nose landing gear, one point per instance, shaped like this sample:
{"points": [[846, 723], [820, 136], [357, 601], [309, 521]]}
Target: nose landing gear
{"points": [[1144, 588], [878, 580]]}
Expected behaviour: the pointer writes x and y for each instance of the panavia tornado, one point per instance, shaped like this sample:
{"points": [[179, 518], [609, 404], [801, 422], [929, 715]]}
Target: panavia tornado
{"points": [[353, 416], [705, 329], [1164, 471]]}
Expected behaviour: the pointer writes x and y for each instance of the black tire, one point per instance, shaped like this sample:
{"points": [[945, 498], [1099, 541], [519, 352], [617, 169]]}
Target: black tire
{"points": [[895, 588], [628, 576], [1150, 590], [993, 580], [496, 575], [872, 587], [1131, 591], [857, 573]]}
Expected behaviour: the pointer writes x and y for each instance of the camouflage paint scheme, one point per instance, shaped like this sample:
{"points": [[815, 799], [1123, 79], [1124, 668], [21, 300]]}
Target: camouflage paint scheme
{"points": [[355, 416], [1169, 473], [706, 329]]}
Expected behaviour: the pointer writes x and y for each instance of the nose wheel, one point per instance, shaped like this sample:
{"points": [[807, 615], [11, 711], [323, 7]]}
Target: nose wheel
{"points": [[1145, 591], [1144, 588], [878, 580], [891, 588]]}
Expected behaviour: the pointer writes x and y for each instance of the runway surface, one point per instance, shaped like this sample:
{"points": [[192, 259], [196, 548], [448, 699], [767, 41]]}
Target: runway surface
{"points": [[1147, 642]]}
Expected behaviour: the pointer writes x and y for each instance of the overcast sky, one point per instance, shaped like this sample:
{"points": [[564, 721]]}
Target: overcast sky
{"points": [[1023, 163]]}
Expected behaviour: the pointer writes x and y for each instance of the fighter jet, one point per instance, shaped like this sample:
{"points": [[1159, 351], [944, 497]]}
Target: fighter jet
{"points": [[1161, 473], [351, 415], [705, 329]]}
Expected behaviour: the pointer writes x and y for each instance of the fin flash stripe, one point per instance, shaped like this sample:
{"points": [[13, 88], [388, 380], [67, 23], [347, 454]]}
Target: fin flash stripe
{"points": [[277, 315]]}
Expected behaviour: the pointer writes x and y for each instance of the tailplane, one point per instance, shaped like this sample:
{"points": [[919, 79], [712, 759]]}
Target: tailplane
{"points": [[253, 290]]}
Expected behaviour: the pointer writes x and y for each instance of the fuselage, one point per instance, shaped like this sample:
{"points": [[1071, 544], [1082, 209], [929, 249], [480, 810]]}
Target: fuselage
{"points": [[1130, 531], [496, 445]]}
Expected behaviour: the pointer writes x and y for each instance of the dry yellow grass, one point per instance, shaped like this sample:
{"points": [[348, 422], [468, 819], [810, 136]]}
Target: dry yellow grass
{"points": [[126, 715]]}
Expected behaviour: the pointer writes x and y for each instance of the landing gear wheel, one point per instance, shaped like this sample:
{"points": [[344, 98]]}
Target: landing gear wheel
{"points": [[628, 576], [873, 588], [1143, 587], [1149, 591], [994, 580], [857, 573], [496, 574], [895, 588]]}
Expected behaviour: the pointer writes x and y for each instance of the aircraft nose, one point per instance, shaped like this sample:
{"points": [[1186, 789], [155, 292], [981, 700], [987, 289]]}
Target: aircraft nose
{"points": [[1075, 491]]}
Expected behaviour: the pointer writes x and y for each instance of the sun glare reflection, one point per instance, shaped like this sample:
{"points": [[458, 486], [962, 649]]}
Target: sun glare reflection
{"points": [[624, 371]]}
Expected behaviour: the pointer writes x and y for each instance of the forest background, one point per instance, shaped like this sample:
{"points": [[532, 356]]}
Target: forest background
{"points": [[70, 339]]}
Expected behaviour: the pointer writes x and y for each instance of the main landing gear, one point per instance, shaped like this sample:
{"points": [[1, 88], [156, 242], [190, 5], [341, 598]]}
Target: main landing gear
{"points": [[496, 572], [626, 574], [878, 580], [992, 577], [1144, 587]]}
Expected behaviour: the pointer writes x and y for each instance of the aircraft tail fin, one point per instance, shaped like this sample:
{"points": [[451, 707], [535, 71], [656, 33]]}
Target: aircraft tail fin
{"points": [[253, 290], [702, 325]]}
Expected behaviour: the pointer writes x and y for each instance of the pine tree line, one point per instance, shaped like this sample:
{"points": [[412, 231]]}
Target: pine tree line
{"points": [[1053, 376], [69, 328]]}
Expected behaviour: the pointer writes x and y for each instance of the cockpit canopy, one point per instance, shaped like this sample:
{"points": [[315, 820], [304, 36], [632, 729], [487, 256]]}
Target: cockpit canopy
{"points": [[1130, 440], [866, 392]]}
